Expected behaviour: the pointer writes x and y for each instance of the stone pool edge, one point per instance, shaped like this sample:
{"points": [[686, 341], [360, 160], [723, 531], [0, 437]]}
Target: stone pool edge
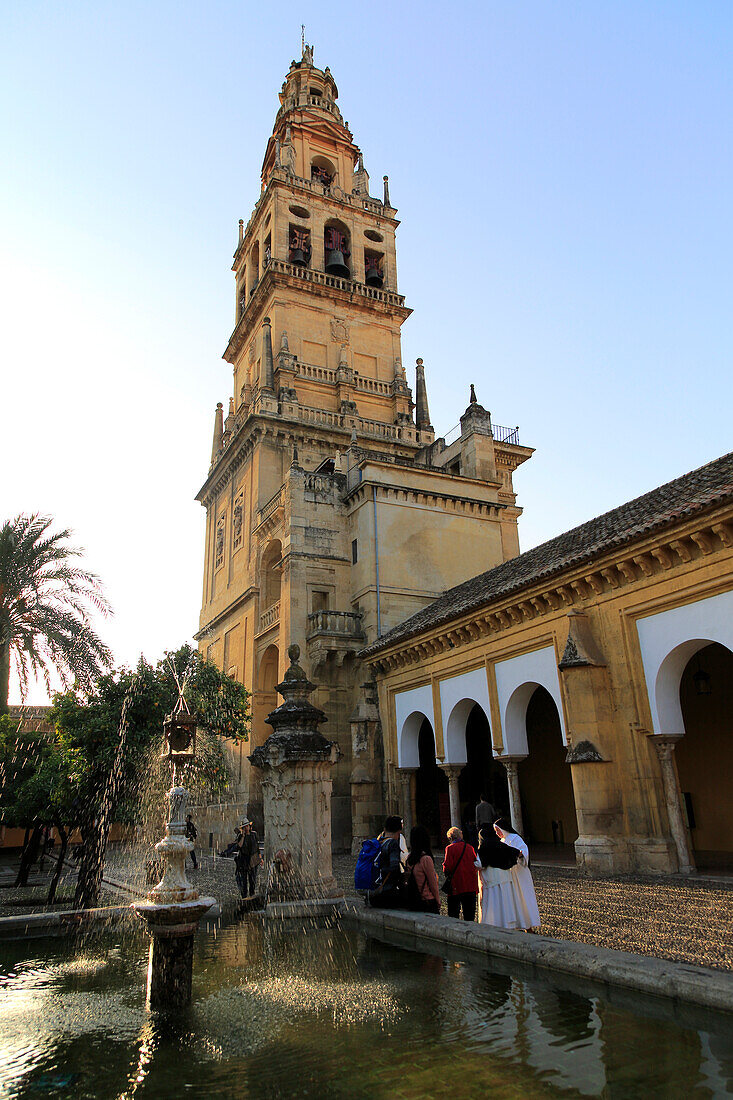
{"points": [[696, 985]]}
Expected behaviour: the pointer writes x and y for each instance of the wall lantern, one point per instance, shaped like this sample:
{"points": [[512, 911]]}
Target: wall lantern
{"points": [[701, 680]]}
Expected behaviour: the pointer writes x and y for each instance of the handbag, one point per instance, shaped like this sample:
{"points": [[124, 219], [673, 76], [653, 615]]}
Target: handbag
{"points": [[447, 885]]}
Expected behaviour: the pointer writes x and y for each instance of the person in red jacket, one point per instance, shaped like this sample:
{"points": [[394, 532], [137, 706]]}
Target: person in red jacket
{"points": [[459, 860]]}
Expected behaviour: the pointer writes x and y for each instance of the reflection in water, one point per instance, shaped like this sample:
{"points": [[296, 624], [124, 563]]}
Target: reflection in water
{"points": [[298, 1011]]}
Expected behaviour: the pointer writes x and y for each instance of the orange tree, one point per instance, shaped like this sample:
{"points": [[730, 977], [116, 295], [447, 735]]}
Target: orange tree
{"points": [[111, 738]]}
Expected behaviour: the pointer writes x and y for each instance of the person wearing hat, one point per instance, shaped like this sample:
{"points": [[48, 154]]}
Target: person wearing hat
{"points": [[247, 860]]}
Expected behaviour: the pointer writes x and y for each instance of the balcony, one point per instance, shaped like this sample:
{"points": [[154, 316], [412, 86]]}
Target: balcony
{"points": [[270, 617], [333, 635]]}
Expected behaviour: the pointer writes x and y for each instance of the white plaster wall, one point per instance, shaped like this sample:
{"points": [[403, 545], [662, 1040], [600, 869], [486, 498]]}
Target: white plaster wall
{"points": [[668, 640], [411, 707], [516, 680], [457, 698]]}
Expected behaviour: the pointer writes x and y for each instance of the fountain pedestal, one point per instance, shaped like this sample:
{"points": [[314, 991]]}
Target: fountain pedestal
{"points": [[172, 912], [296, 762]]}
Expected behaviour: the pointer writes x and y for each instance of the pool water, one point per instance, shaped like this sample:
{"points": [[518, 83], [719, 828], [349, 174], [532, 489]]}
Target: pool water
{"points": [[294, 1011]]}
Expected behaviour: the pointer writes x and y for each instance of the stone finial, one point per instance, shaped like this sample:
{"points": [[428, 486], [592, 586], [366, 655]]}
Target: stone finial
{"points": [[295, 455], [361, 162], [241, 230], [218, 430], [267, 360], [386, 191], [422, 412], [353, 437], [473, 400], [294, 653], [231, 406]]}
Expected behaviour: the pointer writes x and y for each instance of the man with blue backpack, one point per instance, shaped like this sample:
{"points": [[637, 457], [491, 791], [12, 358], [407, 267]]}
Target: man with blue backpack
{"points": [[379, 869]]}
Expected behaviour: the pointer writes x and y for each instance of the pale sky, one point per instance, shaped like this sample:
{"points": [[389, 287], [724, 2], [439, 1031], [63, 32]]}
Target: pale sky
{"points": [[562, 171]]}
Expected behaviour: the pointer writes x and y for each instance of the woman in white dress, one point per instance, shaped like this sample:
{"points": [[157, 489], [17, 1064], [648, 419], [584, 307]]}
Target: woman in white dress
{"points": [[525, 899], [495, 861]]}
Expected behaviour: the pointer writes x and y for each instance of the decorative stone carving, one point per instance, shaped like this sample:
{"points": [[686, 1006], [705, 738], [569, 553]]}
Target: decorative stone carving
{"points": [[584, 752], [340, 332]]}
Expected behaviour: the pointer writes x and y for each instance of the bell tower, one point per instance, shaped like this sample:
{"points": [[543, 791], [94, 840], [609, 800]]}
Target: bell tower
{"points": [[318, 311], [332, 512]]}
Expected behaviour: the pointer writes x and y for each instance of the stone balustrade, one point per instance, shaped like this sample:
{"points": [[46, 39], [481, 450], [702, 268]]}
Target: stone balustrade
{"points": [[270, 617], [271, 507], [342, 624]]}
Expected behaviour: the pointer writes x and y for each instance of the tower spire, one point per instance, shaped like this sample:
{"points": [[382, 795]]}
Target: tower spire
{"points": [[422, 412], [218, 431], [268, 366]]}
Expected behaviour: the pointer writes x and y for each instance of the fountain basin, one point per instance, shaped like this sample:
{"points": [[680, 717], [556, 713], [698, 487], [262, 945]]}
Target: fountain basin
{"points": [[299, 1010]]}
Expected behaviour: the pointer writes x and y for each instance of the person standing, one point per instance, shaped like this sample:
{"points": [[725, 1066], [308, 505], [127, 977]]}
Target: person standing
{"points": [[486, 815], [390, 894], [524, 892], [247, 860], [494, 864], [423, 894], [459, 862], [191, 834]]}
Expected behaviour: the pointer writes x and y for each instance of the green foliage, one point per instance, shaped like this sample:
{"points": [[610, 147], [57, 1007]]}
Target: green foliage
{"points": [[45, 603], [88, 731]]}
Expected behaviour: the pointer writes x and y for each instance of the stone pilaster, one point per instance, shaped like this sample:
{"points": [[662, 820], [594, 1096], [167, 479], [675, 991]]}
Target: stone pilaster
{"points": [[673, 800], [407, 798]]}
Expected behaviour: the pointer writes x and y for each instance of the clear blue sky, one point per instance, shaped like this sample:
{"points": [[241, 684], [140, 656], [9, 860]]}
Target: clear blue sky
{"points": [[563, 175]]}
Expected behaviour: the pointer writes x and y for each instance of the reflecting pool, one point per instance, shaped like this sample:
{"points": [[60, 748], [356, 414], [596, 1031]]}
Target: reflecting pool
{"points": [[291, 1011]]}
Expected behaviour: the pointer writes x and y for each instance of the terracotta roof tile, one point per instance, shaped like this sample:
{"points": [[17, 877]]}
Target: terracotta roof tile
{"points": [[693, 492]]}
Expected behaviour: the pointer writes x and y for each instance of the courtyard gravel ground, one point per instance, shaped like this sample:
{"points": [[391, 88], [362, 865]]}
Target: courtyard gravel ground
{"points": [[687, 920]]}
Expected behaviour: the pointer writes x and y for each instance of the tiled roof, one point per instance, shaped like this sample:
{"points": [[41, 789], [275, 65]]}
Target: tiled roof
{"points": [[703, 488]]}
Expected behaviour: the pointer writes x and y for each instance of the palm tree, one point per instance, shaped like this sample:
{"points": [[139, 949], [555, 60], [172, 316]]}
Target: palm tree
{"points": [[45, 603]]}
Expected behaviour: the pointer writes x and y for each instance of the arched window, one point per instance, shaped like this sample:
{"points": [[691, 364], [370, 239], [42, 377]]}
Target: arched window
{"points": [[323, 171], [336, 249], [270, 575], [299, 245]]}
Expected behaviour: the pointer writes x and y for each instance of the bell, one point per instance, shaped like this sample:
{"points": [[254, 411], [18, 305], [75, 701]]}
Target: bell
{"points": [[335, 264], [374, 276], [297, 257]]}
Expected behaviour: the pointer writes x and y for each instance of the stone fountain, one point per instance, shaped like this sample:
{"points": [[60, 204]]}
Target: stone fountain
{"points": [[296, 762], [173, 908]]}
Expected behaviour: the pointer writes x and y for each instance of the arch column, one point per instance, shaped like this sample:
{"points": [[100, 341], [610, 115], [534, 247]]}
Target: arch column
{"points": [[665, 751], [510, 765], [407, 799], [453, 771]]}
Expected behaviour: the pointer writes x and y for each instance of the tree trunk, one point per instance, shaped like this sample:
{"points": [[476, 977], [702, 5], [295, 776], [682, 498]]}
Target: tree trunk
{"points": [[91, 865], [29, 856], [59, 865], [4, 676]]}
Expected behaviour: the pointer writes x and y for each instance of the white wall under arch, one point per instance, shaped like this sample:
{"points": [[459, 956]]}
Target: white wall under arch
{"points": [[458, 696], [668, 640], [411, 708], [516, 680]]}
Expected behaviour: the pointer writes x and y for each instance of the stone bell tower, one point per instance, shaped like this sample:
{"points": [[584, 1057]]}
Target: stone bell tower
{"points": [[332, 511]]}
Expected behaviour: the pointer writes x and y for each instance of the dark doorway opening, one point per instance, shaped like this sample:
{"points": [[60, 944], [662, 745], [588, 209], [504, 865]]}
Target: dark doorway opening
{"points": [[432, 808], [545, 782]]}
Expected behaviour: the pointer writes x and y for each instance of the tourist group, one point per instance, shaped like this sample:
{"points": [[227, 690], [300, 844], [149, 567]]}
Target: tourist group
{"points": [[495, 871]]}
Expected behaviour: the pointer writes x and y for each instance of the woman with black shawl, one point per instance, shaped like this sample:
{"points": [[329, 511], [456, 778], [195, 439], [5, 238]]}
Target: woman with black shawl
{"points": [[494, 863]]}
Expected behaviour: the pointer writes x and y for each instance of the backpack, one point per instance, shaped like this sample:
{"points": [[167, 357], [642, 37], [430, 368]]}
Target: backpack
{"points": [[367, 874]]}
